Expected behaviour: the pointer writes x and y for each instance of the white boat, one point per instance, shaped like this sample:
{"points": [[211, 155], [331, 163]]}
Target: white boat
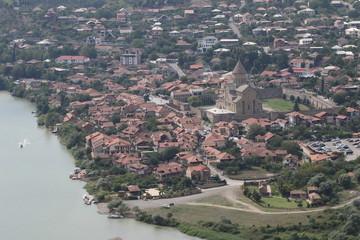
{"points": [[115, 216]]}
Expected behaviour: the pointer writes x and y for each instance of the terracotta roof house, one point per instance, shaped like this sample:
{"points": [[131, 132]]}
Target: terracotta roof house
{"points": [[70, 118], [291, 160], [264, 122], [312, 197], [72, 60], [312, 189], [317, 158], [139, 169], [266, 137], [134, 190], [168, 170], [188, 158], [198, 173], [224, 157], [213, 140], [325, 117], [162, 146], [211, 153], [298, 195]]}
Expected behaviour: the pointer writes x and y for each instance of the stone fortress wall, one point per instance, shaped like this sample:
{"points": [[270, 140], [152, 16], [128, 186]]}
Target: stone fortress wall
{"points": [[266, 93], [318, 102]]}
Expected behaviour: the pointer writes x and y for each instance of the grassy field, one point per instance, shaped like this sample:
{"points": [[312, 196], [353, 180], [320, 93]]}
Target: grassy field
{"points": [[217, 200], [254, 172], [282, 105], [193, 214], [278, 202]]}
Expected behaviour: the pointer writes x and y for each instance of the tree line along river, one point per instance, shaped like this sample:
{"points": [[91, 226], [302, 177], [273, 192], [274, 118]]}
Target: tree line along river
{"points": [[38, 200]]}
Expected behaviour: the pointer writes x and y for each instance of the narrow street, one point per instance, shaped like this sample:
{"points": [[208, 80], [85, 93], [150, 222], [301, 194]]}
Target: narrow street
{"points": [[177, 69], [234, 28], [232, 25]]}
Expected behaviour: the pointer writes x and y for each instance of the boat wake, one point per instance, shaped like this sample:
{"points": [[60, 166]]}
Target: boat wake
{"points": [[23, 143]]}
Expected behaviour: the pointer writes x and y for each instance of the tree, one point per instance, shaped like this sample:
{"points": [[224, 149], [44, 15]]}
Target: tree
{"points": [[246, 191], [296, 107], [256, 196], [344, 180], [169, 153], [18, 71], [88, 51], [357, 174], [322, 84], [116, 202], [291, 70], [2, 84], [356, 204], [316, 180], [122, 208], [136, 209], [231, 170], [194, 101], [254, 130], [275, 142], [51, 119], [291, 147], [104, 13], [158, 220], [326, 188], [339, 98]]}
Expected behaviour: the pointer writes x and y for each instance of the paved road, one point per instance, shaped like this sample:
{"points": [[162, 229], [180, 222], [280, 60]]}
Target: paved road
{"points": [[229, 181], [232, 25], [224, 190], [234, 28], [177, 69], [350, 5]]}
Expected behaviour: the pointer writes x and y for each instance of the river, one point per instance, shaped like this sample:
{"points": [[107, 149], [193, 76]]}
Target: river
{"points": [[38, 201]]}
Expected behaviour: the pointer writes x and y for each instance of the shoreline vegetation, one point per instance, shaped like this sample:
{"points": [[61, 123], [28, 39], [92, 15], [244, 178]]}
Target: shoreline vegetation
{"points": [[219, 226], [127, 87]]}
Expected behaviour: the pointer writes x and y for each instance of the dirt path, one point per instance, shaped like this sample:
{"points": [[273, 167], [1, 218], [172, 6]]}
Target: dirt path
{"points": [[230, 195]]}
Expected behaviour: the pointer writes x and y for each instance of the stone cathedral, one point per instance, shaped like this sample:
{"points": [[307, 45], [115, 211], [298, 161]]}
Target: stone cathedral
{"points": [[240, 96]]}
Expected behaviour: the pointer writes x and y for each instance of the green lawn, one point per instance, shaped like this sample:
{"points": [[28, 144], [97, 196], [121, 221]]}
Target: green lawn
{"points": [[281, 105], [278, 202], [254, 172], [193, 214]]}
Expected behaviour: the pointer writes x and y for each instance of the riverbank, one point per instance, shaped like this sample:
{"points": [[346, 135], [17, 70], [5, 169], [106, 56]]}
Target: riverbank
{"points": [[55, 200]]}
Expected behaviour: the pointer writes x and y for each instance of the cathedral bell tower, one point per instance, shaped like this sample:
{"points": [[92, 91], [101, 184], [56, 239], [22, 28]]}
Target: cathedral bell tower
{"points": [[240, 74]]}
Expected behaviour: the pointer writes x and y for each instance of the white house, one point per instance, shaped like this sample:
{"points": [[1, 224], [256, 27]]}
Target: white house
{"points": [[131, 56], [352, 24], [229, 42], [206, 43], [352, 32], [307, 12], [72, 60], [305, 41], [174, 33]]}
